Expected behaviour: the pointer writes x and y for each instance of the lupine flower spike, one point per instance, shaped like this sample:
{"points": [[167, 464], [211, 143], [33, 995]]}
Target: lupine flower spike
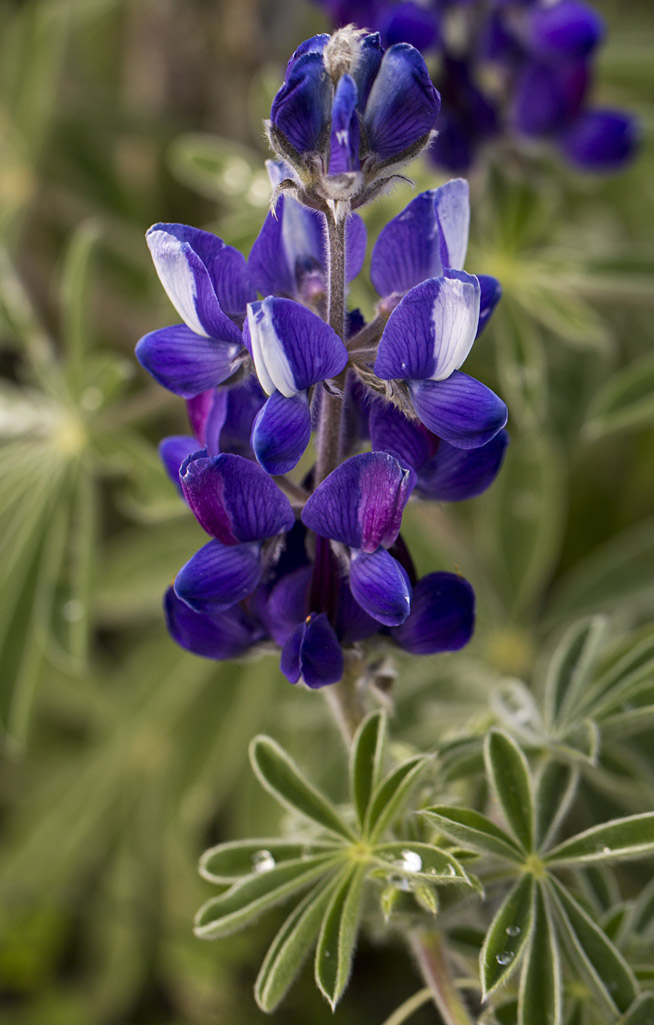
{"points": [[312, 560]]}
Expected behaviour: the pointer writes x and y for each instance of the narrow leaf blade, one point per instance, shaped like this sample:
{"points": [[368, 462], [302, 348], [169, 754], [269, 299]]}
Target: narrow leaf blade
{"points": [[539, 1002], [365, 761], [509, 773], [281, 778], [641, 1012], [630, 837], [389, 795], [508, 936], [474, 831], [227, 862], [422, 861], [556, 787], [338, 936], [571, 665]]}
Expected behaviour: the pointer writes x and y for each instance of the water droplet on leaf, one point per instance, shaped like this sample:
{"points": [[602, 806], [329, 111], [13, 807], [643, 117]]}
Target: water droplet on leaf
{"points": [[263, 861], [513, 930], [505, 958], [400, 882], [409, 862]]}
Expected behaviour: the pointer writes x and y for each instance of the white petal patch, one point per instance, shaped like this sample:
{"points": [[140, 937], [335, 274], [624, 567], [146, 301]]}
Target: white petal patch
{"points": [[176, 277], [455, 316], [270, 360], [453, 213]]}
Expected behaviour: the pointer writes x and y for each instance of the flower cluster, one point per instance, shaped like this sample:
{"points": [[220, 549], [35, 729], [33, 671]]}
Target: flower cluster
{"points": [[315, 562], [507, 67]]}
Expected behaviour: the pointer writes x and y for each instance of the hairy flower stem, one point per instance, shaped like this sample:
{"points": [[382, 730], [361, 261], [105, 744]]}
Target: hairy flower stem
{"points": [[429, 952], [329, 428]]}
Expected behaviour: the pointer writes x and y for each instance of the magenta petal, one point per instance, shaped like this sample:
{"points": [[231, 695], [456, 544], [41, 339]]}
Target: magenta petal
{"points": [[313, 652], [185, 362], [360, 504], [234, 499], [281, 432], [460, 409], [380, 586], [219, 576], [226, 635], [206, 413], [442, 615]]}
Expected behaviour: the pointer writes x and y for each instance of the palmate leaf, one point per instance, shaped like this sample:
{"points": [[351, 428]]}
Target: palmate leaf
{"points": [[474, 831], [602, 965], [390, 794], [540, 984], [281, 778], [629, 837], [508, 936], [509, 774], [338, 935], [366, 761], [292, 945], [571, 665], [247, 900]]}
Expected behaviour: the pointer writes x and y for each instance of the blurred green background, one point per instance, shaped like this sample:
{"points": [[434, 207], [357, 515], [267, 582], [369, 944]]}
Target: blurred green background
{"points": [[122, 756]]}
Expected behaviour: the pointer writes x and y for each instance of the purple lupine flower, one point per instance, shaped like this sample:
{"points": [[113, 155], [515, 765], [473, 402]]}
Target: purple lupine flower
{"points": [[209, 285], [348, 115]]}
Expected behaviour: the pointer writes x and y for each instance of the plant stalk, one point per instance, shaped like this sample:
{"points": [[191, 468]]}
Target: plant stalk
{"points": [[329, 428], [429, 952]]}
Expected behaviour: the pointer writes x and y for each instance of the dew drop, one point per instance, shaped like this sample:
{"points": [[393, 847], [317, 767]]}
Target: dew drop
{"points": [[505, 958], [409, 862], [513, 930], [263, 861], [327, 953], [603, 849], [400, 882]]}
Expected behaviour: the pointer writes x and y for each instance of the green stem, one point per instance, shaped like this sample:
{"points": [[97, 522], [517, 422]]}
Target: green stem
{"points": [[430, 954], [409, 1007], [345, 700]]}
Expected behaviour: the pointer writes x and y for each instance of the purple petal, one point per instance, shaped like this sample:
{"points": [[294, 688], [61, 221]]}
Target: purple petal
{"points": [[302, 106], [227, 635], [380, 586], [219, 576], [429, 235], [455, 474], [361, 502], [564, 29], [313, 652], [281, 432], [461, 410], [243, 404], [491, 293], [234, 499], [344, 134], [287, 604], [370, 52], [430, 333], [173, 451], [548, 97], [403, 104], [206, 413], [442, 615], [407, 440], [292, 348], [601, 140], [411, 23], [185, 362], [196, 268]]}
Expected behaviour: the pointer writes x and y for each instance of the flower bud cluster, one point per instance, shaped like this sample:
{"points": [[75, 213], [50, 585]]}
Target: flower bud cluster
{"points": [[310, 558], [508, 68]]}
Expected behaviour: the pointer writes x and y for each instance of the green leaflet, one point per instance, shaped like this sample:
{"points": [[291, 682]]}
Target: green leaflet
{"points": [[474, 831], [630, 837], [540, 984], [508, 770], [338, 935], [366, 761], [291, 946], [230, 861], [571, 664], [624, 402], [556, 786], [389, 795], [508, 936], [602, 965], [281, 778], [246, 900], [422, 861], [641, 1011]]}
